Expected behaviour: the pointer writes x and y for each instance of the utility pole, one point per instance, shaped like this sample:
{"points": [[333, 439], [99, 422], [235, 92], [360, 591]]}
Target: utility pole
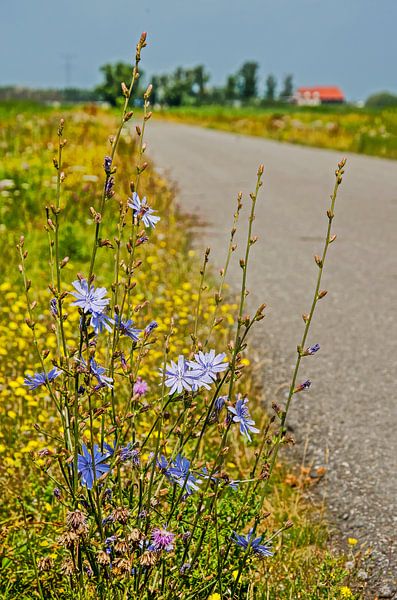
{"points": [[68, 67]]}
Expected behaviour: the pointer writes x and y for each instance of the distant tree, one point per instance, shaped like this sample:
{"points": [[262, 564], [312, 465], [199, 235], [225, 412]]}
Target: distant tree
{"points": [[270, 92], [288, 88], [114, 75], [381, 100], [231, 92], [247, 81], [182, 87], [200, 79]]}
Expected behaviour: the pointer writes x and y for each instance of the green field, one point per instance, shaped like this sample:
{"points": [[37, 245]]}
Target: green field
{"points": [[343, 128]]}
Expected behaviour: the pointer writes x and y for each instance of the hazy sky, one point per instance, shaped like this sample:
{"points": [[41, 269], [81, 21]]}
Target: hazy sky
{"points": [[352, 43]]}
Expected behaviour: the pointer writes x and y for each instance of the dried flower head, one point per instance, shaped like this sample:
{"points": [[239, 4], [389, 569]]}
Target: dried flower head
{"points": [[121, 515], [76, 521], [44, 564]]}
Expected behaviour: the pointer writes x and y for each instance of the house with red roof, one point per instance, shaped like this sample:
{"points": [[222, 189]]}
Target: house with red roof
{"points": [[321, 94]]}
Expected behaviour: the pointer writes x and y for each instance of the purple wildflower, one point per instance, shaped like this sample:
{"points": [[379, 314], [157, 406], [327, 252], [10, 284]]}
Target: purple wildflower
{"points": [[141, 240], [218, 406], [208, 365], [126, 328], [140, 387], [178, 377], [107, 164], [101, 321], [123, 362], [109, 187], [109, 543], [141, 210], [54, 307], [242, 416], [303, 386], [38, 379], [253, 544], [91, 467], [312, 350], [88, 298], [57, 493], [162, 540], [149, 328], [130, 453]]}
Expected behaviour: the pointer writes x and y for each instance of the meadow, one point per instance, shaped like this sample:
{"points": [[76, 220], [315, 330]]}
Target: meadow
{"points": [[157, 474], [343, 128]]}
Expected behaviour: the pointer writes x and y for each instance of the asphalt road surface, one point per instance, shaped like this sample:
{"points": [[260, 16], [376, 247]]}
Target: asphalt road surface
{"points": [[347, 421]]}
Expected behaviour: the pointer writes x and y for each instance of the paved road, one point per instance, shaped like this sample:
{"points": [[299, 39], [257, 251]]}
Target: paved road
{"points": [[349, 416]]}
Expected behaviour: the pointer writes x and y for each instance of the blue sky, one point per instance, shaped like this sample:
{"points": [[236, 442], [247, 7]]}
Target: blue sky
{"points": [[351, 43]]}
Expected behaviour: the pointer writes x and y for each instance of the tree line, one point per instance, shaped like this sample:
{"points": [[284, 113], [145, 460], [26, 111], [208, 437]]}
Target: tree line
{"points": [[190, 86], [182, 87]]}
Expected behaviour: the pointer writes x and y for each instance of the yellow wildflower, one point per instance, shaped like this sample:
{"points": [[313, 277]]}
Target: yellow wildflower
{"points": [[352, 541]]}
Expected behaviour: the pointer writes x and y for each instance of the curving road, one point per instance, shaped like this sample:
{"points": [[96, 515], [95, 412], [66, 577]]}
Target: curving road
{"points": [[348, 419]]}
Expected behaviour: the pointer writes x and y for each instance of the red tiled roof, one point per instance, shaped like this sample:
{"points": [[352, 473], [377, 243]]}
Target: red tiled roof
{"points": [[325, 92]]}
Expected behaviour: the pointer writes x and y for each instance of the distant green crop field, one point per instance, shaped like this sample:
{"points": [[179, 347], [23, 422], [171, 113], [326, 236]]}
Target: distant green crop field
{"points": [[345, 128]]}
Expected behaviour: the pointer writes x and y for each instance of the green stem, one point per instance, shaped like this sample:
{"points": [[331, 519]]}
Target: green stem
{"points": [[300, 353]]}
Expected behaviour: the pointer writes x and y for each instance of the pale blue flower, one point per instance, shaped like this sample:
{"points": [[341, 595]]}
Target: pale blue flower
{"points": [[89, 299], [178, 376], [207, 365], [38, 379], [241, 415], [126, 328], [91, 468], [101, 321], [142, 211]]}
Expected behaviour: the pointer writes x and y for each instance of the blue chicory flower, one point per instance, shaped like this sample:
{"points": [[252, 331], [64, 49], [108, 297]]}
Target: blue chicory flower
{"points": [[179, 472], [98, 372], [91, 467], [241, 415], [207, 365], [254, 544], [149, 328], [38, 379], [178, 377], [141, 210], [126, 328], [89, 299], [101, 321], [162, 462]]}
